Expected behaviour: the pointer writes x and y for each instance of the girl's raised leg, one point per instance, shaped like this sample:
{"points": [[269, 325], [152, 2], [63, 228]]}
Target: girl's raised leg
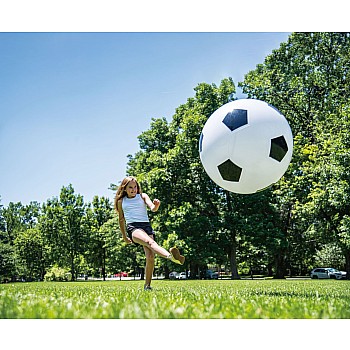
{"points": [[141, 237]]}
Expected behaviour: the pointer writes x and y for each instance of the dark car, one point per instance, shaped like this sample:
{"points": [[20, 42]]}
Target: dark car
{"points": [[174, 275], [210, 274]]}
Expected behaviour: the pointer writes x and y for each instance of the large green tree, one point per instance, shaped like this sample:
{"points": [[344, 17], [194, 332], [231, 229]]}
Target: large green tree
{"points": [[96, 216], [329, 199], [64, 228], [206, 221], [308, 79], [15, 219], [31, 250]]}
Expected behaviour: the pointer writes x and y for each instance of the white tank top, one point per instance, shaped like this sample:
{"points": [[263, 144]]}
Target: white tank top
{"points": [[134, 209]]}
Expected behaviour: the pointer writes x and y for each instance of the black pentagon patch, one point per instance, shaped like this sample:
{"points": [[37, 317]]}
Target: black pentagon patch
{"points": [[235, 119], [230, 171], [200, 142], [279, 148]]}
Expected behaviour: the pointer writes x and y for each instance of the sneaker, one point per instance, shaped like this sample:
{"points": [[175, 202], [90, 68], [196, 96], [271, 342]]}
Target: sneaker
{"points": [[176, 257], [147, 288]]}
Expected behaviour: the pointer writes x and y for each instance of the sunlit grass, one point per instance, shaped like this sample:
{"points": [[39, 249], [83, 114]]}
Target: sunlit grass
{"points": [[245, 299]]}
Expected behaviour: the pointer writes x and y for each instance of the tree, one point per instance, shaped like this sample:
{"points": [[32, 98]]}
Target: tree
{"points": [[208, 220], [306, 75], [12, 223], [14, 219], [7, 254], [331, 193], [96, 216], [64, 230], [307, 79], [31, 250], [8, 269]]}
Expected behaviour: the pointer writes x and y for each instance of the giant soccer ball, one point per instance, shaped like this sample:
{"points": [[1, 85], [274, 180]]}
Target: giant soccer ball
{"points": [[246, 145]]}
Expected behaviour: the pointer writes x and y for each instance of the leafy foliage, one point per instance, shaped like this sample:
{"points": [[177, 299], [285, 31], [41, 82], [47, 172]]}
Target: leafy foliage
{"points": [[57, 274], [307, 79]]}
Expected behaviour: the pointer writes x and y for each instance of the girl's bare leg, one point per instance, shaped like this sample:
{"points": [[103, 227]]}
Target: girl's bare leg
{"points": [[141, 237], [149, 265]]}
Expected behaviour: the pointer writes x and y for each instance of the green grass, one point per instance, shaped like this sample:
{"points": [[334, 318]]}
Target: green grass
{"points": [[244, 299]]}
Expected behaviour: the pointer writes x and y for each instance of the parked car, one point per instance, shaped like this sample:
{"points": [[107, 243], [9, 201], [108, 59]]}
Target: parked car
{"points": [[210, 274], [121, 274], [182, 276], [215, 275], [173, 275], [327, 272], [339, 275]]}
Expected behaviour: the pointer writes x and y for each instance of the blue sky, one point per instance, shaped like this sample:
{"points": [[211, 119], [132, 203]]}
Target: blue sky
{"points": [[73, 104]]}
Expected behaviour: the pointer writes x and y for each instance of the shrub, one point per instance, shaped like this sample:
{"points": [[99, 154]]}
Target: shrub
{"points": [[57, 274]]}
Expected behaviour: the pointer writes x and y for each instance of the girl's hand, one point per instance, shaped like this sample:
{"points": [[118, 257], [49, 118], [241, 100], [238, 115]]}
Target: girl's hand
{"points": [[127, 239], [156, 203]]}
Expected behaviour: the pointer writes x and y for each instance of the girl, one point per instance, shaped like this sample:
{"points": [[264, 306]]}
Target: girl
{"points": [[131, 206]]}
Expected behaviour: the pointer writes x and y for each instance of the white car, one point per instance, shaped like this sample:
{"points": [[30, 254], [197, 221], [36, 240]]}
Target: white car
{"points": [[173, 275], [182, 276], [339, 275], [327, 272]]}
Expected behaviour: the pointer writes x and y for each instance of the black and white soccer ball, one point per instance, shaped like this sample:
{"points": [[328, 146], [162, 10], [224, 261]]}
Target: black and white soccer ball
{"points": [[246, 145]]}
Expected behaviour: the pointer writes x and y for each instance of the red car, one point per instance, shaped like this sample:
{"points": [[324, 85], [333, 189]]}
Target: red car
{"points": [[121, 274]]}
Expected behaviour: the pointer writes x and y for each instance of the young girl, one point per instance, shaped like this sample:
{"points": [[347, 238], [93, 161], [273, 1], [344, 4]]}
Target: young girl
{"points": [[131, 206]]}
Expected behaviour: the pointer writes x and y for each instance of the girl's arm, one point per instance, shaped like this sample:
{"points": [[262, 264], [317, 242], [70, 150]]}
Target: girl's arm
{"points": [[122, 222], [152, 205]]}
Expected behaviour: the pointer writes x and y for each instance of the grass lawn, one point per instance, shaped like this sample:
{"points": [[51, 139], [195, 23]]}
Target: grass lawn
{"points": [[224, 299]]}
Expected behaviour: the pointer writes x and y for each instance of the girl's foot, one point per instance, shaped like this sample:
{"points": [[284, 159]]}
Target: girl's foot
{"points": [[176, 257], [147, 288]]}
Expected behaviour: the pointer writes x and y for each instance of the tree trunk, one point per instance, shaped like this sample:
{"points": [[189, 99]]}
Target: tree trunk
{"points": [[233, 248], [347, 264], [280, 265], [166, 272], [233, 261], [194, 269], [269, 270], [72, 268], [104, 263]]}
